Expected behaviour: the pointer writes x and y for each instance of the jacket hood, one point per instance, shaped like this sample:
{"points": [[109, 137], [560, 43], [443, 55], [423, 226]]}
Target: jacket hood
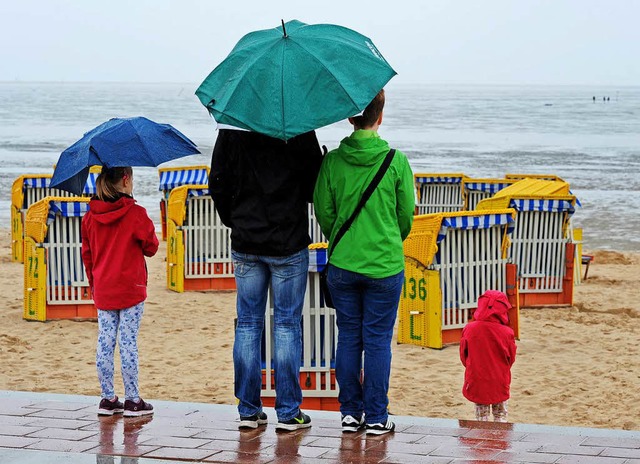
{"points": [[107, 212], [493, 306], [363, 148]]}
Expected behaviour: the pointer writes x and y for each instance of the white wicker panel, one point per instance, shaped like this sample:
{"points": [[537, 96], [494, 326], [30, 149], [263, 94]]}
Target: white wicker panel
{"points": [[470, 263], [440, 198], [207, 241], [66, 276]]}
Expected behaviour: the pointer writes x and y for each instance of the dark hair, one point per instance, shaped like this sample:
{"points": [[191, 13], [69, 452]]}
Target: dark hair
{"points": [[106, 182], [371, 113]]}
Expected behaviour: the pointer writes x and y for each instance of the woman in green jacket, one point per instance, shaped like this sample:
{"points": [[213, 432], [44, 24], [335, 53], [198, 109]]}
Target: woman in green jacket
{"points": [[366, 270]]}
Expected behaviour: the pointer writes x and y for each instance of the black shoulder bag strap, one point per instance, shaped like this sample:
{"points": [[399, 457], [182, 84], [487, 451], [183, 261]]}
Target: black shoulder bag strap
{"points": [[365, 196]]}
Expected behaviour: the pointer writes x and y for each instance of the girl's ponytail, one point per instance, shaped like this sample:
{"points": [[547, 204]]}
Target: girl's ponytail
{"points": [[107, 181]]}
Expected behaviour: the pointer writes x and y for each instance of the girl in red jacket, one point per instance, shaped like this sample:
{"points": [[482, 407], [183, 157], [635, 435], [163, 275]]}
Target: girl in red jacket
{"points": [[488, 350], [117, 234]]}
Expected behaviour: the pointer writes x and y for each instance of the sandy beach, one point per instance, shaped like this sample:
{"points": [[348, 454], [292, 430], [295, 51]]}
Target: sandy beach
{"points": [[577, 366]]}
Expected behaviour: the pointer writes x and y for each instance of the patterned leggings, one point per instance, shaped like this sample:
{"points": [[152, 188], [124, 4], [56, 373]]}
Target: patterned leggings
{"points": [[122, 324], [483, 411]]}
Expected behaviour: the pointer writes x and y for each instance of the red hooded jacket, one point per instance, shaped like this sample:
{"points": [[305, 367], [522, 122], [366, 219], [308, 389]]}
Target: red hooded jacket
{"points": [[488, 350], [116, 236]]}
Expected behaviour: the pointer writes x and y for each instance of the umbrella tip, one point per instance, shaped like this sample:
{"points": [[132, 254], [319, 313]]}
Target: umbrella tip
{"points": [[284, 31]]}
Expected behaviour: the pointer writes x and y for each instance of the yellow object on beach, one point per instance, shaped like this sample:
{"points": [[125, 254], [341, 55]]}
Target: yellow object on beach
{"points": [[18, 208], [528, 188], [421, 244], [419, 313], [534, 176], [35, 282], [176, 214], [543, 248], [450, 260], [55, 283], [36, 219], [476, 189], [198, 243], [531, 189]]}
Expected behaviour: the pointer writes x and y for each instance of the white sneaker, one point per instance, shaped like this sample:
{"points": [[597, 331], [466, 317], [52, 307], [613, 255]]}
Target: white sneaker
{"points": [[352, 424], [380, 429]]}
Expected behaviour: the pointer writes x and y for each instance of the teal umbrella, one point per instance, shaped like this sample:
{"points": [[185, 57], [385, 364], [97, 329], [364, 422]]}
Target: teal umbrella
{"points": [[295, 78]]}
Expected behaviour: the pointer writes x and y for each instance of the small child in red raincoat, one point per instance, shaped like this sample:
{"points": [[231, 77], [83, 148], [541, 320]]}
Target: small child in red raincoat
{"points": [[488, 350]]}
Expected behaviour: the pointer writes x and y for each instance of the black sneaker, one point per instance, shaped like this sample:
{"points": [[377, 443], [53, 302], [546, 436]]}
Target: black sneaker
{"points": [[380, 429], [109, 408], [351, 423], [252, 422], [301, 421], [133, 409]]}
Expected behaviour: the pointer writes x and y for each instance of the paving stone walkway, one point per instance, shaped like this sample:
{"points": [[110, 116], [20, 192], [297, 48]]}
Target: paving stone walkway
{"points": [[50, 429]]}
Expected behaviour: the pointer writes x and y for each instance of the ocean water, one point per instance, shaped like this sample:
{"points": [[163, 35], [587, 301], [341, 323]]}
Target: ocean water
{"points": [[481, 131]]}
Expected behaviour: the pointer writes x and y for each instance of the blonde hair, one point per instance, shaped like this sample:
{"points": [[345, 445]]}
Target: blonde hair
{"points": [[108, 180]]}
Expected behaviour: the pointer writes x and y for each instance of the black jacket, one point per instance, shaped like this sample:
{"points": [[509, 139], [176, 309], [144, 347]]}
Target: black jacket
{"points": [[261, 187]]}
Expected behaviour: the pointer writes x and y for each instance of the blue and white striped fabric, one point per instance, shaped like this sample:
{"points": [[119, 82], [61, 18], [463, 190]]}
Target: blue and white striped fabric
{"points": [[317, 259], [66, 209], [172, 179], [90, 186], [438, 180], [44, 182], [475, 222], [197, 192], [577, 200], [486, 187], [555, 206], [36, 182]]}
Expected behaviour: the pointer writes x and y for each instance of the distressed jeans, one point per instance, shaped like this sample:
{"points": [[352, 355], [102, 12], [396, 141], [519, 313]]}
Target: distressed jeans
{"points": [[366, 311], [287, 276]]}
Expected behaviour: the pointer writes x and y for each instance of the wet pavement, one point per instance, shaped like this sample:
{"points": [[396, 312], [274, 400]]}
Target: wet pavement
{"points": [[38, 428]]}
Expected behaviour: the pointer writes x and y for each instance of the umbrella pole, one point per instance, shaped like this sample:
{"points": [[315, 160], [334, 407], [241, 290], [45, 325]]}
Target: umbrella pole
{"points": [[284, 31]]}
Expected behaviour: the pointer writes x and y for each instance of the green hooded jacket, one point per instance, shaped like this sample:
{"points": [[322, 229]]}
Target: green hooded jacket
{"points": [[373, 244]]}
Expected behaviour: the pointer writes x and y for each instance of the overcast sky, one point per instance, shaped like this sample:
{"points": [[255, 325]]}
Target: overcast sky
{"points": [[426, 41]]}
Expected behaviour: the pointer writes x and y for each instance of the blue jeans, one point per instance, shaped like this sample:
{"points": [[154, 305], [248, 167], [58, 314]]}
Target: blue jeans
{"points": [[366, 311], [123, 325], [288, 278]]}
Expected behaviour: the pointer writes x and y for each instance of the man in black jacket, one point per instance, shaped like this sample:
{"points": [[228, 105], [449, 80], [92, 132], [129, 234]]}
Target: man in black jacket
{"points": [[261, 187]]}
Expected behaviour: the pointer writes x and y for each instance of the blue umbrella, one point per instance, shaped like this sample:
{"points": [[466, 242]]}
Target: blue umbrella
{"points": [[119, 142]]}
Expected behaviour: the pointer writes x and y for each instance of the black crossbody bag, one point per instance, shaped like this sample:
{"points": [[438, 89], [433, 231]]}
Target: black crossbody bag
{"points": [[324, 288]]}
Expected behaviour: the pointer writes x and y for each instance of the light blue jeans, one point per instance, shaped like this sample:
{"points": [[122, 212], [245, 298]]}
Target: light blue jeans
{"points": [[366, 311], [123, 325], [288, 278]]}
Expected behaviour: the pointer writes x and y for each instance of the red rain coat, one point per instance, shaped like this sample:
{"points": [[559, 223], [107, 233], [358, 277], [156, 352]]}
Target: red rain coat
{"points": [[115, 239], [488, 350]]}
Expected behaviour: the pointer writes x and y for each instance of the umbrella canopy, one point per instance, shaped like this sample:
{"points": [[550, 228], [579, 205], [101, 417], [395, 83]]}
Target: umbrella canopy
{"points": [[119, 142], [295, 78]]}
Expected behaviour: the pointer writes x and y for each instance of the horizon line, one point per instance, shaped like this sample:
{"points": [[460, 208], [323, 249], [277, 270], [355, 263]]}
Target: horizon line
{"points": [[392, 83]]}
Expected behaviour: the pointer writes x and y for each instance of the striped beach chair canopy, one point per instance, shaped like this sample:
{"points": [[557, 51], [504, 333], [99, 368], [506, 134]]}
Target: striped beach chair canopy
{"points": [[487, 187], [539, 204], [66, 209], [171, 178], [44, 181], [483, 221], [439, 178], [36, 182], [197, 192]]}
